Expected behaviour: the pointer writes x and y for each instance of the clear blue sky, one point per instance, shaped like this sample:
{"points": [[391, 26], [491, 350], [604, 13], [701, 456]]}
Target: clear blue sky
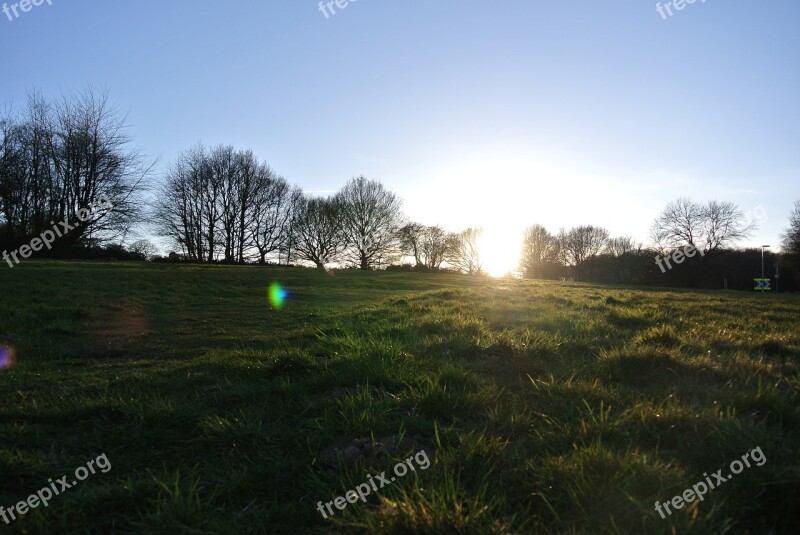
{"points": [[501, 113]]}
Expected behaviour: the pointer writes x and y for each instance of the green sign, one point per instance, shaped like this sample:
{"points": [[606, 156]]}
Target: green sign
{"points": [[762, 285]]}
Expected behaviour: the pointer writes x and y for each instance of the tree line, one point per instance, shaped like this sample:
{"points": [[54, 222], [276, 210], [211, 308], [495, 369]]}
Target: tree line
{"points": [[56, 158], [221, 204], [588, 253], [706, 227]]}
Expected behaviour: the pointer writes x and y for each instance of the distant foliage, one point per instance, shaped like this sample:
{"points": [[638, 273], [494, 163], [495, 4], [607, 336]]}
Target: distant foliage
{"points": [[791, 236]]}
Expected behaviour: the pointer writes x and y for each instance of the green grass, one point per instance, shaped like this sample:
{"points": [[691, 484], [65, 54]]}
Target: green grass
{"points": [[546, 407]]}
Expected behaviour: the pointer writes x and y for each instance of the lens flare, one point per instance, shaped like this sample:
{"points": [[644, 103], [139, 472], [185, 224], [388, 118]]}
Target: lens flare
{"points": [[277, 295], [7, 357]]}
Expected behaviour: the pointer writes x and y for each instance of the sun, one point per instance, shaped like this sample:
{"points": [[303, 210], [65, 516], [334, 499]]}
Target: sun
{"points": [[500, 250]]}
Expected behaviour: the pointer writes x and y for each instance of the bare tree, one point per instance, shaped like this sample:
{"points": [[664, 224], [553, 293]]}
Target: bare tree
{"points": [[272, 212], [429, 246], [618, 247], [58, 159], [791, 236], [296, 203], [371, 217], [580, 245], [226, 168], [708, 227], [27, 190], [680, 223], [317, 230], [251, 175], [253, 204], [180, 211], [539, 249], [465, 252], [91, 156], [224, 204], [724, 224], [143, 248], [411, 236], [434, 247]]}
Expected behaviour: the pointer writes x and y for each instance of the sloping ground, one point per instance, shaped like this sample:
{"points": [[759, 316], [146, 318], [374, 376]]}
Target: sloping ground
{"points": [[542, 407]]}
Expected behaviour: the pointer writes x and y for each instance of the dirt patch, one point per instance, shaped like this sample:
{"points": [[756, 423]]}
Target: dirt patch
{"points": [[121, 329]]}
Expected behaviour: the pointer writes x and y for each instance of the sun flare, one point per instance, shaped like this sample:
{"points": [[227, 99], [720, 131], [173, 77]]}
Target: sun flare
{"points": [[500, 251]]}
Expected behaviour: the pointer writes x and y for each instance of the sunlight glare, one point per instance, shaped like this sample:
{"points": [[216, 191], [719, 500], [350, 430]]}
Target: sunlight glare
{"points": [[500, 249]]}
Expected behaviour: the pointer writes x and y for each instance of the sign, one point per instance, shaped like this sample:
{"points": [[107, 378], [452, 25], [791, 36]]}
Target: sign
{"points": [[762, 285]]}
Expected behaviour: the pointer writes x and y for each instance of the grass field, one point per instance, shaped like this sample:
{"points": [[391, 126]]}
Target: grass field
{"points": [[544, 407]]}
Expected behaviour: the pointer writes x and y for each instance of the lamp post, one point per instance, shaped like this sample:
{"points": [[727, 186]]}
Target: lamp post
{"points": [[762, 263]]}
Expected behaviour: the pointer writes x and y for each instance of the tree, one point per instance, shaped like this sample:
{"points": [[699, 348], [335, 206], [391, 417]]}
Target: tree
{"points": [[58, 159], [317, 231], [580, 245], [791, 236], [428, 245], [224, 203], [227, 170], [91, 156], [296, 203], [272, 213], [708, 227], [144, 249], [371, 217], [724, 224], [411, 236], [181, 211], [618, 247], [540, 251], [434, 247], [464, 251], [622, 250]]}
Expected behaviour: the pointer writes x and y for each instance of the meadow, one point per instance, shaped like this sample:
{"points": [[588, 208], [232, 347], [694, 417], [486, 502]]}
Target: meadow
{"points": [[544, 407]]}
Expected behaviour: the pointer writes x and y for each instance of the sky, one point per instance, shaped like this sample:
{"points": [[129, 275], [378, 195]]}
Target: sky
{"points": [[497, 114]]}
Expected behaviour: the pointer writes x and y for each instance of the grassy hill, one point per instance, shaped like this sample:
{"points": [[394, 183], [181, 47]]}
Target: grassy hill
{"points": [[543, 407]]}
